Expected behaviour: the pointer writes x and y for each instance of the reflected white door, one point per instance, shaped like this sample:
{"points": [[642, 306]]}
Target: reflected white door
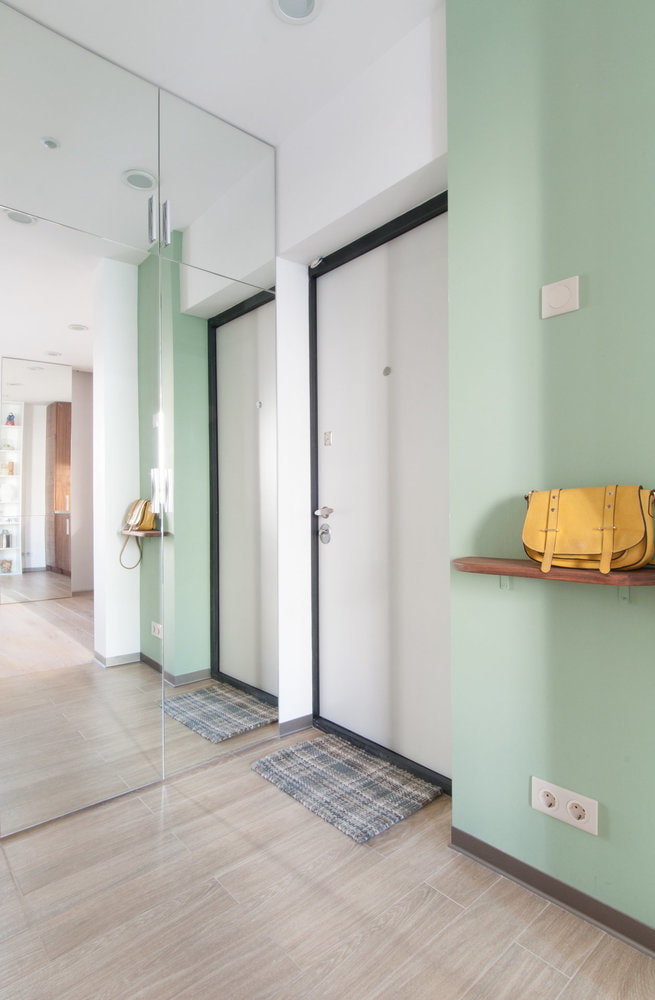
{"points": [[382, 467]]}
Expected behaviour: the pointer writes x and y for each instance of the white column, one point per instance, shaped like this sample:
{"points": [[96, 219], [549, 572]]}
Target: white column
{"points": [[116, 458]]}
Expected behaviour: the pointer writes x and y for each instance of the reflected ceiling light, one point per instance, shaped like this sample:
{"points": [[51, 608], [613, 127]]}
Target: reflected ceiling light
{"points": [[53, 354], [49, 142], [35, 368], [296, 11], [25, 220], [77, 326], [139, 179]]}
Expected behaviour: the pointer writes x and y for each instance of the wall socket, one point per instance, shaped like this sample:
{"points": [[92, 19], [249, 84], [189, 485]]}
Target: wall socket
{"points": [[156, 630], [569, 807]]}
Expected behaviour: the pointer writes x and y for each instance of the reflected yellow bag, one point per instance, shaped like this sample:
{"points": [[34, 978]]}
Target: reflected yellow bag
{"points": [[602, 527], [139, 516]]}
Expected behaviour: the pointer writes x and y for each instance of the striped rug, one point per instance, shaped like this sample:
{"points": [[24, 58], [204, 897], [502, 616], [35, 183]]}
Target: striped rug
{"points": [[219, 712], [351, 789]]}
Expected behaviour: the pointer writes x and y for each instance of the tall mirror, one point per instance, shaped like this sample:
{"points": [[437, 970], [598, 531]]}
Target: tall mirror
{"points": [[209, 711], [86, 285]]}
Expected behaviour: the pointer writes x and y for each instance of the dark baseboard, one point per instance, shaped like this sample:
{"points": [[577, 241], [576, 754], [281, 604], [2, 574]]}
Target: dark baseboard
{"points": [[148, 660], [384, 754], [270, 699], [296, 725], [613, 921]]}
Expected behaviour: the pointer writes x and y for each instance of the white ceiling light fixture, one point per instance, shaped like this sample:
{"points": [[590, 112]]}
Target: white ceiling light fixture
{"points": [[25, 220], [140, 180], [296, 11], [49, 142], [77, 326]]}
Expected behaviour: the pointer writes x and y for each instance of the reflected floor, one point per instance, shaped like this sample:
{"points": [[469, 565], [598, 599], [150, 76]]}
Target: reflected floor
{"points": [[73, 733], [40, 585]]}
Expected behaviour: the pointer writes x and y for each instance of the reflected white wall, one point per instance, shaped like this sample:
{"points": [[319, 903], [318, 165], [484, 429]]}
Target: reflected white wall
{"points": [[116, 451]]}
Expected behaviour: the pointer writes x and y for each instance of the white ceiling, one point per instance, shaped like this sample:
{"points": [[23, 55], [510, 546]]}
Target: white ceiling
{"points": [[234, 58]]}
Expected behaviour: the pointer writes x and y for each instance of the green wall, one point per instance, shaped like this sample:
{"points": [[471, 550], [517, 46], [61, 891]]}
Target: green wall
{"points": [[175, 378], [551, 165], [149, 404]]}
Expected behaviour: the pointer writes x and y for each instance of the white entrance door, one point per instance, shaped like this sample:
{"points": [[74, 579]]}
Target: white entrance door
{"points": [[382, 467]]}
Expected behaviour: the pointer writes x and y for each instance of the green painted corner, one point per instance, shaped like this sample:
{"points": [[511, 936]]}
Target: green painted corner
{"points": [[550, 170], [173, 378]]}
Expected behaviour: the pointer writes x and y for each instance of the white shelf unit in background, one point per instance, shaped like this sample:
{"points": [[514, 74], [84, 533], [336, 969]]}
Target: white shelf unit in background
{"points": [[11, 468]]}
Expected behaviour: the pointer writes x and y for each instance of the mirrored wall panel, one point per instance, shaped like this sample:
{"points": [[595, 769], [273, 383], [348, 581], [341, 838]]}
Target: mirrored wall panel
{"points": [[208, 713], [129, 220], [80, 711]]}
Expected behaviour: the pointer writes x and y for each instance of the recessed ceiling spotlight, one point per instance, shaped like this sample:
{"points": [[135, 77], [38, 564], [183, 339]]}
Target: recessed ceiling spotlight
{"points": [[35, 368], [25, 220], [139, 179], [296, 11], [77, 326], [53, 354], [49, 142], [14, 383]]}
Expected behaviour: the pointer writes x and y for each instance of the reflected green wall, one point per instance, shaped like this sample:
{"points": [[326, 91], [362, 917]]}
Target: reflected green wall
{"points": [[551, 155], [149, 390], [183, 564]]}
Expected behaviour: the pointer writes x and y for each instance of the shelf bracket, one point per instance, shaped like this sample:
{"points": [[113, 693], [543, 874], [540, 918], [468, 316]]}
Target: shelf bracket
{"points": [[505, 582]]}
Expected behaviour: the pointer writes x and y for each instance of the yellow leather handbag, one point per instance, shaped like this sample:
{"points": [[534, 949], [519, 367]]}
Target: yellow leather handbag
{"points": [[602, 527], [139, 517]]}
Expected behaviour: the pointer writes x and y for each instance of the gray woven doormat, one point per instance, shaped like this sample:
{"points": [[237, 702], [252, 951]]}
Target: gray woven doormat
{"points": [[219, 712], [351, 789]]}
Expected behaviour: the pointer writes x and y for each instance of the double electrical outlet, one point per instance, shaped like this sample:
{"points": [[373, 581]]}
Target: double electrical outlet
{"points": [[567, 806]]}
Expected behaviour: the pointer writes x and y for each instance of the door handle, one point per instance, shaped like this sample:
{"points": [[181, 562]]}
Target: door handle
{"points": [[152, 219], [166, 223], [324, 512]]}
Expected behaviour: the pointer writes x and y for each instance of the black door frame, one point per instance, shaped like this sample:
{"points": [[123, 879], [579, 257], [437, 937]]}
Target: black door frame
{"points": [[428, 210], [235, 312]]}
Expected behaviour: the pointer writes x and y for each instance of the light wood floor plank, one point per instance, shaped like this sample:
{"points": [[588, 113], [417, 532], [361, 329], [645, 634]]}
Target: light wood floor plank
{"points": [[613, 971], [217, 885], [561, 939]]}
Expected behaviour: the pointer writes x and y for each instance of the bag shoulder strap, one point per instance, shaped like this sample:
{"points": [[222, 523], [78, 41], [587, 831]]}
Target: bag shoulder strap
{"points": [[138, 545], [551, 530], [608, 528]]}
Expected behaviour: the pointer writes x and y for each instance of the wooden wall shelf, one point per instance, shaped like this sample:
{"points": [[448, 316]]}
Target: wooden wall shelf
{"points": [[145, 534], [489, 566]]}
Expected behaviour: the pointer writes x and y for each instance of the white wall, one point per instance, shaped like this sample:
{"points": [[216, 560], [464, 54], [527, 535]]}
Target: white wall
{"points": [[33, 485], [82, 482], [376, 150], [116, 458], [294, 493]]}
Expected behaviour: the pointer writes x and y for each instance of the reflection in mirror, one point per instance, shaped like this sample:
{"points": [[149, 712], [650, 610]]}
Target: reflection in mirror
{"points": [[73, 125], [35, 483], [73, 733], [83, 283], [247, 497], [218, 189], [202, 720]]}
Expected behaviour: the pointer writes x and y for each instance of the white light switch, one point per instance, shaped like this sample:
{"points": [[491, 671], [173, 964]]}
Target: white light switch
{"points": [[560, 297]]}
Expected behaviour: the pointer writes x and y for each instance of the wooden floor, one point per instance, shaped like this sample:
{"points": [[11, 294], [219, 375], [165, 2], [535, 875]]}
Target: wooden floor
{"points": [[217, 885], [72, 733], [40, 585]]}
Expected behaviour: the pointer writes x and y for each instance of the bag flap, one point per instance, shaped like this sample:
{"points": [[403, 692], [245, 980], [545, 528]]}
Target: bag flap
{"points": [[139, 516], [581, 517]]}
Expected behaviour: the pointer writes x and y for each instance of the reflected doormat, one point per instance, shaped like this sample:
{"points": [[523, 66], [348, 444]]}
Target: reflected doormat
{"points": [[359, 794], [220, 711]]}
